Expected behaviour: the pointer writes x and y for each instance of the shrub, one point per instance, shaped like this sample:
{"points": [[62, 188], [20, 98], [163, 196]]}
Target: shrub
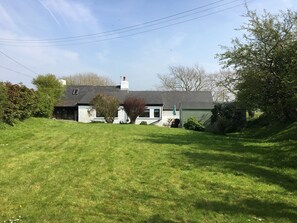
{"points": [[134, 107], [226, 118], [193, 124], [143, 123], [107, 106], [261, 121], [3, 99], [49, 91], [21, 102]]}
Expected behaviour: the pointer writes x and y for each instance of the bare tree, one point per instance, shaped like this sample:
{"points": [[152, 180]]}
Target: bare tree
{"points": [[222, 85], [88, 79], [182, 78]]}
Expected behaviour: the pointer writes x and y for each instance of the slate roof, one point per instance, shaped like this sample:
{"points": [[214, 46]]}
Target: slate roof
{"points": [[181, 99], [187, 99]]}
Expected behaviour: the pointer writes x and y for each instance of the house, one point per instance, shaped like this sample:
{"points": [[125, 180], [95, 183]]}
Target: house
{"points": [[161, 106]]}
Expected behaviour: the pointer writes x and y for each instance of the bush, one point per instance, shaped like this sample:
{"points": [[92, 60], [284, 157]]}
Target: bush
{"points": [[20, 105], [3, 99], [143, 123], [49, 91], [262, 121], [227, 118], [106, 106], [134, 107], [193, 124]]}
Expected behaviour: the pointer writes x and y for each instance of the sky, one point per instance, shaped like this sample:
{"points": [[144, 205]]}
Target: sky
{"points": [[138, 39]]}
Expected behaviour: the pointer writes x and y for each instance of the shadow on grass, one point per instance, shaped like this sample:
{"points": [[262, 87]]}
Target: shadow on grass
{"points": [[157, 219], [242, 166], [238, 156], [261, 209]]}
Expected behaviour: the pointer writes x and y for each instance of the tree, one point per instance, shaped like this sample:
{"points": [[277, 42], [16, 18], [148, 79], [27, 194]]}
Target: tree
{"points": [[222, 85], [88, 79], [3, 99], [182, 78], [134, 107], [265, 63], [107, 106], [49, 91], [19, 104]]}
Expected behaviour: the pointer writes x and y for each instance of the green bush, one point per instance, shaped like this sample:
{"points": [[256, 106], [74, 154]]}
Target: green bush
{"points": [[226, 118], [262, 121], [49, 91], [143, 123], [20, 105], [3, 99], [193, 124]]}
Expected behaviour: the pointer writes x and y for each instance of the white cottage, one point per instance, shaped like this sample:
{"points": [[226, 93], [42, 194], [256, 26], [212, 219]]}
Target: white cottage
{"points": [[161, 105]]}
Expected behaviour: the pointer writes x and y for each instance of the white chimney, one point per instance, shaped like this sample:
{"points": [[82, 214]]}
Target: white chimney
{"points": [[62, 82], [124, 84]]}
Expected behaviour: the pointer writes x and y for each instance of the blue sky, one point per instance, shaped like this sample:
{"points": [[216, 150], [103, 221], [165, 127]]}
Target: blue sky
{"points": [[50, 25]]}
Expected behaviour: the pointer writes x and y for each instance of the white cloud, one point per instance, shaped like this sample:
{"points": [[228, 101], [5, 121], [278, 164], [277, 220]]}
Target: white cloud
{"points": [[42, 60], [72, 12], [5, 20], [50, 12]]}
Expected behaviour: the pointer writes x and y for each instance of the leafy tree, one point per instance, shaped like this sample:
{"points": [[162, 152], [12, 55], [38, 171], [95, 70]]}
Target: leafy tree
{"points": [[3, 99], [182, 78], [49, 91], [20, 103], [107, 106], [88, 79], [265, 63], [134, 107]]}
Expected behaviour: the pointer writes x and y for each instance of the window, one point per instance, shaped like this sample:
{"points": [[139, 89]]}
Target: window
{"points": [[146, 113], [157, 113], [75, 91]]}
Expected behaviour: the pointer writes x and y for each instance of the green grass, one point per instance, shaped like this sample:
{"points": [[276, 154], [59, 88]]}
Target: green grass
{"points": [[58, 171]]}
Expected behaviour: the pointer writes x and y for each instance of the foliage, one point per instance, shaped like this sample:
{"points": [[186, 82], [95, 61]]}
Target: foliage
{"points": [[107, 106], [49, 91], [182, 78], [143, 123], [134, 107], [265, 63], [258, 122], [87, 79], [20, 103], [193, 124], [226, 118], [3, 99], [131, 173]]}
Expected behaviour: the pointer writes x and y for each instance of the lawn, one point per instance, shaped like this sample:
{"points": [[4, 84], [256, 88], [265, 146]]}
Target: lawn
{"points": [[59, 171]]}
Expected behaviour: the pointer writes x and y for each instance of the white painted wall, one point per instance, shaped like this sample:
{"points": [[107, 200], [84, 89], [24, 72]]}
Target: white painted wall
{"points": [[86, 113], [168, 114], [151, 119]]}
